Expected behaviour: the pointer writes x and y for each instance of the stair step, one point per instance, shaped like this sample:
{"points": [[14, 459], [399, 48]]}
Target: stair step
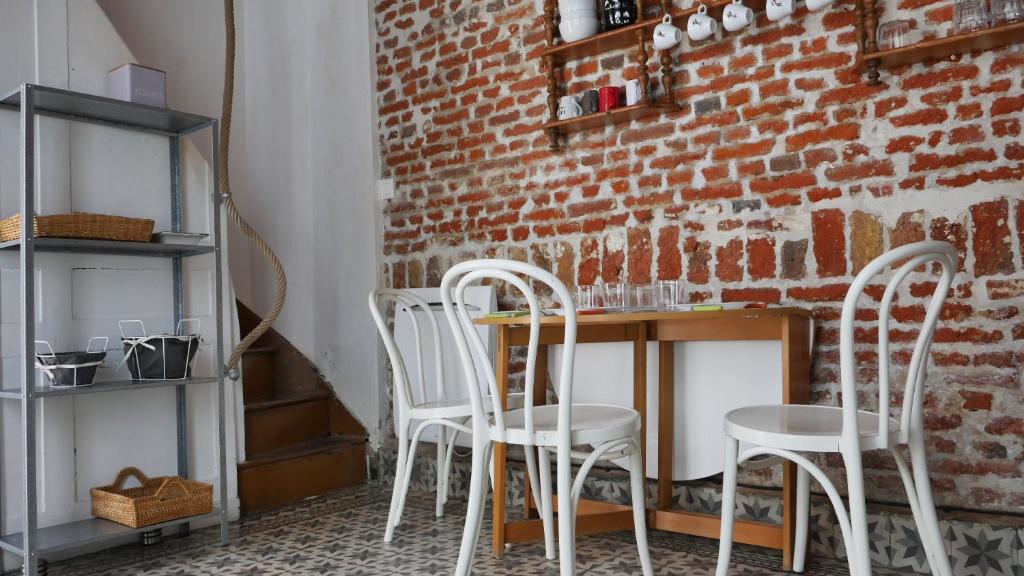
{"points": [[310, 469], [309, 448], [285, 399], [257, 350]]}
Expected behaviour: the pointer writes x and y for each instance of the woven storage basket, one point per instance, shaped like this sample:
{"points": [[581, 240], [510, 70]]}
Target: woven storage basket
{"points": [[158, 500], [81, 225]]}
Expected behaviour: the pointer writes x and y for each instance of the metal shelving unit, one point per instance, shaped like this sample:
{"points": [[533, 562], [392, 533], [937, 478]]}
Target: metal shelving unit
{"points": [[30, 100]]}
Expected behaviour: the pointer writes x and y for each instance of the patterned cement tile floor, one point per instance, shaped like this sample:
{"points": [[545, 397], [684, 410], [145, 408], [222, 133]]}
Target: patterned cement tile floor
{"points": [[342, 533]]}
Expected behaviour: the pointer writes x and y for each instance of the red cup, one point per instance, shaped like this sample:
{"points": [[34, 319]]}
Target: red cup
{"points": [[609, 98]]}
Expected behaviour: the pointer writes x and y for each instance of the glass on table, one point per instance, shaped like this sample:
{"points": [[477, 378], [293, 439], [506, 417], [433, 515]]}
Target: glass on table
{"points": [[615, 295], [1007, 12], [670, 294], [970, 16], [645, 297], [588, 297], [893, 34]]}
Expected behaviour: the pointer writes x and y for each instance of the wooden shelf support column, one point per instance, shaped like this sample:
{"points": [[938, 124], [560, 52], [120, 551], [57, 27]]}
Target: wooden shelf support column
{"points": [[867, 22], [667, 79], [549, 63], [641, 61]]}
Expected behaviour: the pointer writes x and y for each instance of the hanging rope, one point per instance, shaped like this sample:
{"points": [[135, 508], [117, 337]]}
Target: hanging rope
{"points": [[223, 157]]}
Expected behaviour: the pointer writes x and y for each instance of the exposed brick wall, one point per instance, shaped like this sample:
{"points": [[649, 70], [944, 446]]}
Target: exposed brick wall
{"points": [[781, 176]]}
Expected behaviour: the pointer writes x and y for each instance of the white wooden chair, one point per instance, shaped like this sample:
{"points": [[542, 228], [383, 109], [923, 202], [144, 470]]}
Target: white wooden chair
{"points": [[612, 431], [446, 413], [785, 431]]}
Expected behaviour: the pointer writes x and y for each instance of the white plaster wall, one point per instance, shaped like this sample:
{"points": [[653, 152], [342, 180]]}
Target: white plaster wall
{"points": [[84, 441], [303, 159]]}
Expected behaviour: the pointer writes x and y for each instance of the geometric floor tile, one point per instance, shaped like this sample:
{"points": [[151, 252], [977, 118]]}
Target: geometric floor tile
{"points": [[983, 550], [342, 533]]}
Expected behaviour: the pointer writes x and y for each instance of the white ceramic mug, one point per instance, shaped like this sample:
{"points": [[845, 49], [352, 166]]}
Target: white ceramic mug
{"points": [[632, 92], [815, 5], [666, 35], [779, 9], [701, 26], [568, 108], [736, 16]]}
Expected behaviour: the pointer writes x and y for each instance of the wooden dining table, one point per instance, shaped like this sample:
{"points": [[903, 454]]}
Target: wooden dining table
{"points": [[789, 325]]}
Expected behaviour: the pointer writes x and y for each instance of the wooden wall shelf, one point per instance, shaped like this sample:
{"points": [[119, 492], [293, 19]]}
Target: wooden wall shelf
{"points": [[942, 48], [872, 59], [626, 36], [614, 116]]}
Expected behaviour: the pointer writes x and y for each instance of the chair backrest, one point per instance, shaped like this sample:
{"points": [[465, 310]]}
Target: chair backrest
{"points": [[471, 347], [418, 309], [908, 257]]}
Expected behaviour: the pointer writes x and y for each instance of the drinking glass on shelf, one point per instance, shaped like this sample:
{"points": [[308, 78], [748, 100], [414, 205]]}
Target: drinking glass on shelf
{"points": [[1007, 12], [970, 16], [615, 295], [893, 34], [670, 294], [645, 297], [588, 297]]}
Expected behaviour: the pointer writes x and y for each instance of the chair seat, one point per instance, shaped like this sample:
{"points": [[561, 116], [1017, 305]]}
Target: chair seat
{"points": [[803, 428], [591, 424], [459, 407]]}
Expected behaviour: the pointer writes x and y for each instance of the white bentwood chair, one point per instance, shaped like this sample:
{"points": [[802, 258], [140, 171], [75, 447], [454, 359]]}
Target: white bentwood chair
{"points": [[443, 412], [612, 431], [784, 430]]}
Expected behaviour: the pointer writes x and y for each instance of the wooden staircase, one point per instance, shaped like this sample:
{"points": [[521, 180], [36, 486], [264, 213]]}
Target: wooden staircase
{"points": [[300, 441]]}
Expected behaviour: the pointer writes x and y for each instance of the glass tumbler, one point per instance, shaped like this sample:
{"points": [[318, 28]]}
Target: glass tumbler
{"points": [[1007, 11], [970, 16], [670, 294], [615, 295], [893, 34], [645, 297], [588, 297]]}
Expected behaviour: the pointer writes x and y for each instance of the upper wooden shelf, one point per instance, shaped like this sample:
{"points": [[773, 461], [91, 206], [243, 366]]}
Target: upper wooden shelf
{"points": [[940, 48], [626, 36]]}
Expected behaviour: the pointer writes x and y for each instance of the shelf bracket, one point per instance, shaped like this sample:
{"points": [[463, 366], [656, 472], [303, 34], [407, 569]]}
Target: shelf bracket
{"points": [[641, 61], [867, 24]]}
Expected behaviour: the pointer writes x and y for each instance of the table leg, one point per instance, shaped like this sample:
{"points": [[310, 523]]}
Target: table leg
{"points": [[540, 398], [640, 384], [502, 367], [796, 389], [666, 428]]}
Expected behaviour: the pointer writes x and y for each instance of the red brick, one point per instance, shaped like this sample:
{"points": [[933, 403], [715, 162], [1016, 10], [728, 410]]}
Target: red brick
{"points": [[829, 232], [727, 261], [769, 295], [761, 258], [699, 255], [992, 247], [923, 117], [640, 251], [860, 171], [670, 262]]}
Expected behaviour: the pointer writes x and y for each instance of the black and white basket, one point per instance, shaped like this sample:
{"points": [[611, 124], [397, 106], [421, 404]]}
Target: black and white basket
{"points": [[70, 369], [160, 356]]}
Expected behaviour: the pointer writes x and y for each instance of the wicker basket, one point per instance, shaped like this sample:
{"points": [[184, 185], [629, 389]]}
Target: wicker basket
{"points": [[81, 225], [158, 499]]}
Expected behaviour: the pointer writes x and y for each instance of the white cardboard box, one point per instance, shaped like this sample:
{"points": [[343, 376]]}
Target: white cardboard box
{"points": [[137, 84]]}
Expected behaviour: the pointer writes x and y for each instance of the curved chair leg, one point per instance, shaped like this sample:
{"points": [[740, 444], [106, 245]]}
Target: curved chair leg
{"points": [[411, 462], [448, 461], [803, 512], [732, 447], [566, 523], [858, 515], [547, 512], [474, 509], [396, 494], [928, 525], [442, 480], [637, 477], [915, 507]]}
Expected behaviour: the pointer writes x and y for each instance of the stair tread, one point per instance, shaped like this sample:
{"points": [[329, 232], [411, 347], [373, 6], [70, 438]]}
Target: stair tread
{"points": [[285, 399], [261, 350], [307, 448]]}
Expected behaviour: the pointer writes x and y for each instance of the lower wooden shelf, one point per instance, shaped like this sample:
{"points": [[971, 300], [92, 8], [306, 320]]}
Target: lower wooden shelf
{"points": [[613, 116], [940, 48]]}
